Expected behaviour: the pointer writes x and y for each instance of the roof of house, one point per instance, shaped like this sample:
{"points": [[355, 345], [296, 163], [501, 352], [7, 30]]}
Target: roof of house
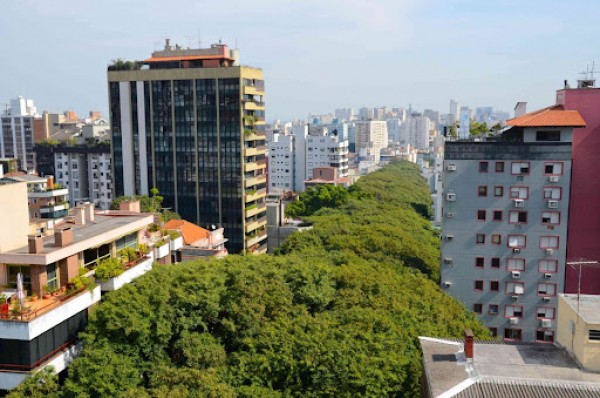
{"points": [[504, 370], [191, 232], [553, 116], [587, 306]]}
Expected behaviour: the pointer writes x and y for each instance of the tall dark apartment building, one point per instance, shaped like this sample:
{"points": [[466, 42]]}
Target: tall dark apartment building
{"points": [[190, 122]]}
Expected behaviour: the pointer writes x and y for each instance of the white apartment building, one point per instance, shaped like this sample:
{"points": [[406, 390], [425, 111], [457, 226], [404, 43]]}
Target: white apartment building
{"points": [[371, 137], [86, 173], [16, 132], [417, 129], [292, 158]]}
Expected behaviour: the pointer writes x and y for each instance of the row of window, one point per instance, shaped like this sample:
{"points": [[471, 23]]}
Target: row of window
{"points": [[516, 288], [515, 334], [518, 241], [519, 216], [515, 311], [522, 168], [518, 264], [520, 192]]}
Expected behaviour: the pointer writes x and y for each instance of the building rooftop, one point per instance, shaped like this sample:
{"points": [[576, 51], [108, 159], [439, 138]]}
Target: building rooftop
{"points": [[587, 306], [191, 232], [553, 116], [501, 370]]}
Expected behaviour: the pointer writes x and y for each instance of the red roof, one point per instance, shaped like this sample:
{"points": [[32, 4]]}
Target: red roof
{"points": [[554, 116], [191, 232]]}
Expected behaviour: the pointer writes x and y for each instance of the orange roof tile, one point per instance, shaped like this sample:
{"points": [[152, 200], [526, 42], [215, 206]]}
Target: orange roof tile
{"points": [[553, 116], [191, 232], [187, 58]]}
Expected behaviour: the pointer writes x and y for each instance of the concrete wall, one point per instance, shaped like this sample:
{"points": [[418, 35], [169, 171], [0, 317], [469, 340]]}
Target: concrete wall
{"points": [[587, 352], [15, 216]]}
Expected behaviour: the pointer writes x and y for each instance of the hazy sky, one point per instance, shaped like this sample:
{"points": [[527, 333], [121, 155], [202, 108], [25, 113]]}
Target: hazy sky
{"points": [[316, 54]]}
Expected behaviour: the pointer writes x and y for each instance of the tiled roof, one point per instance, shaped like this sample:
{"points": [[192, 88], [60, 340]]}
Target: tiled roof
{"points": [[490, 388], [554, 116], [191, 232]]}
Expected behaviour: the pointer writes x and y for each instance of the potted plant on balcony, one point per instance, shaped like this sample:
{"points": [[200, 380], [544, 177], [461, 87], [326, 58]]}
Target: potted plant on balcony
{"points": [[33, 297], [143, 250], [47, 292]]}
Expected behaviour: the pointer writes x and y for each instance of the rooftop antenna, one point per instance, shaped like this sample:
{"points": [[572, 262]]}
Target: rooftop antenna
{"points": [[588, 80]]}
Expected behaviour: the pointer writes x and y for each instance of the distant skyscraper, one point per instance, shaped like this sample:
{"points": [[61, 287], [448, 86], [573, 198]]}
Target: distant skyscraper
{"points": [[454, 109], [371, 138], [191, 123], [16, 132], [465, 122], [484, 114]]}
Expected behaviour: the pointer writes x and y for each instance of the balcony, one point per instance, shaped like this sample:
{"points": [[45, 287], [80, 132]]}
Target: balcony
{"points": [[254, 239], [255, 209], [254, 135], [255, 195], [49, 193], [50, 208], [252, 181], [252, 166], [252, 151], [44, 314], [253, 90], [262, 249], [253, 105], [251, 226], [133, 272]]}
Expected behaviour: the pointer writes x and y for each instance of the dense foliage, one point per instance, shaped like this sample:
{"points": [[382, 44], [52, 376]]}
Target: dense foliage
{"points": [[335, 314], [316, 198]]}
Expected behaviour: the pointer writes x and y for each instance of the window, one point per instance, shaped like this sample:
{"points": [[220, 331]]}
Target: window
{"points": [[480, 215], [499, 167], [52, 277], [495, 263], [549, 242], [519, 192], [498, 190], [496, 239], [13, 271], [497, 215], [546, 289], [479, 262], [550, 217], [483, 167], [547, 135], [553, 193], [478, 285], [494, 286], [555, 168], [545, 336], [513, 311], [493, 309], [515, 264], [519, 168], [548, 265], [480, 239], [477, 308], [482, 190], [545, 312], [516, 241], [594, 335], [515, 288], [493, 331], [512, 334], [517, 217]]}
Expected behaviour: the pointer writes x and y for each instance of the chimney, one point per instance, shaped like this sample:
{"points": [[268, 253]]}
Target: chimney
{"points": [[89, 211], [469, 349], [520, 109], [36, 243], [79, 215], [130, 205], [63, 237], [50, 183]]}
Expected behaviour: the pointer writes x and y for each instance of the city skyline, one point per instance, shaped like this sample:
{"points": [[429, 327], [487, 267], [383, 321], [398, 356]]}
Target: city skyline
{"points": [[316, 56]]}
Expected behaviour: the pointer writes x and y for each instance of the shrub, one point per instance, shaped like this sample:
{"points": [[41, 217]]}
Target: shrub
{"points": [[109, 268]]}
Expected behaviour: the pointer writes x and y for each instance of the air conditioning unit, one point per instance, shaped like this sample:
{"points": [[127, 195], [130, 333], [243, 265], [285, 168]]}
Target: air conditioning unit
{"points": [[546, 299], [451, 167], [450, 214], [515, 297], [549, 251], [516, 250], [516, 274], [451, 197], [553, 179], [448, 260], [447, 284], [553, 204], [546, 323], [449, 237], [514, 320], [547, 275], [519, 203]]}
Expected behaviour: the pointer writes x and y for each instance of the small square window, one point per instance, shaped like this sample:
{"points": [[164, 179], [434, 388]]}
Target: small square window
{"points": [[479, 262], [495, 262], [483, 167], [494, 332], [478, 285], [496, 239], [493, 309], [497, 216], [480, 215], [477, 308], [499, 191], [482, 190], [499, 167], [480, 239], [494, 286]]}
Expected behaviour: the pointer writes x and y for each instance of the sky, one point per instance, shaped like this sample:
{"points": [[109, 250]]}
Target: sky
{"points": [[317, 55]]}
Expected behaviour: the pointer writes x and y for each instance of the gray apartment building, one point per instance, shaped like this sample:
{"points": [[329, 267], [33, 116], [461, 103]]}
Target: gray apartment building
{"points": [[506, 207]]}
